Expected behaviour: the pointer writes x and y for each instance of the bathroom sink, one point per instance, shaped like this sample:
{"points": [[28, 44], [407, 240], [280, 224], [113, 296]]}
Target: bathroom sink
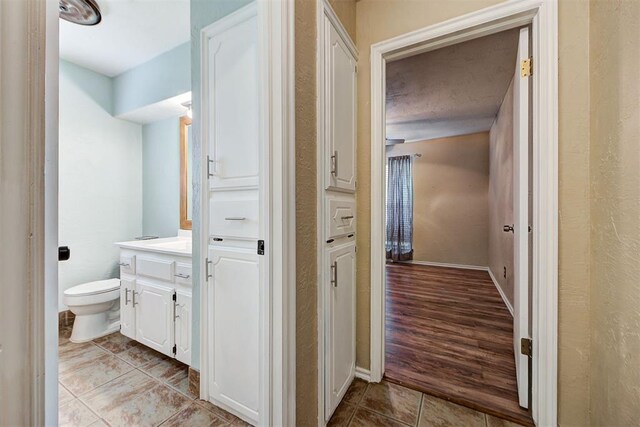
{"points": [[178, 245]]}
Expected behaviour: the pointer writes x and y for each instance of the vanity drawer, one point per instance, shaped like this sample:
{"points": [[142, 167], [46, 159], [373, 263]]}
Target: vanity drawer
{"points": [[341, 217], [127, 264], [183, 273], [156, 268], [234, 219]]}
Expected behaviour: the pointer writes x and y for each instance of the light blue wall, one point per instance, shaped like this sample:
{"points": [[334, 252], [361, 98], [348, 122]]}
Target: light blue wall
{"points": [[203, 13], [161, 177], [100, 178], [165, 76]]}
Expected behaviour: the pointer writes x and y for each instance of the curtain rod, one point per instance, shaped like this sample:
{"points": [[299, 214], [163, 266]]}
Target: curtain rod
{"points": [[412, 155]]}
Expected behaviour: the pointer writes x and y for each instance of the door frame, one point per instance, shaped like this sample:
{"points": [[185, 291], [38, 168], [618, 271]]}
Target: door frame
{"points": [[277, 308], [541, 15]]}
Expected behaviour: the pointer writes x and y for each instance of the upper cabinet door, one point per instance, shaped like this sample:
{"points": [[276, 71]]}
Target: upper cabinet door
{"points": [[231, 116], [154, 316], [340, 112]]}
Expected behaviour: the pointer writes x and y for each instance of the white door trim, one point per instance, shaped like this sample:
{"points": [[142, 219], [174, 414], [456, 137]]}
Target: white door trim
{"points": [[277, 389], [542, 16]]}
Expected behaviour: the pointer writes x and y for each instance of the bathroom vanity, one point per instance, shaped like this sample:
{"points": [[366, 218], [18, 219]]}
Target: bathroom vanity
{"points": [[155, 294]]}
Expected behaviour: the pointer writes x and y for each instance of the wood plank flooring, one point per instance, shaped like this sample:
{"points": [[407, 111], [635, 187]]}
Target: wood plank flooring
{"points": [[449, 334]]}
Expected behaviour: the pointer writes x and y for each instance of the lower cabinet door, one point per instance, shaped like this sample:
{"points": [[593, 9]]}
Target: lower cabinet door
{"points": [[183, 327], [127, 311], [341, 324], [234, 291], [154, 316]]}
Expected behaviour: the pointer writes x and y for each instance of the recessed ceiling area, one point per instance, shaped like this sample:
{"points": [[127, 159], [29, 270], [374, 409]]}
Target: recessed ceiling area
{"points": [[131, 33], [455, 90]]}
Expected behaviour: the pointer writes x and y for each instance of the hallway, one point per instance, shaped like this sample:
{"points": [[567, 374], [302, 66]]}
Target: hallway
{"points": [[449, 334]]}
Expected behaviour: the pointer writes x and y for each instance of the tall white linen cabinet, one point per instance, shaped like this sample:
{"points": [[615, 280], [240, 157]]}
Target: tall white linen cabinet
{"points": [[337, 72]]}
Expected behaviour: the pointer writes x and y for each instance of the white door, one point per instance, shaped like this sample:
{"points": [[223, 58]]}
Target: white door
{"points": [[340, 112], [154, 316], [341, 324], [127, 311], [183, 327], [233, 106], [521, 216], [234, 289]]}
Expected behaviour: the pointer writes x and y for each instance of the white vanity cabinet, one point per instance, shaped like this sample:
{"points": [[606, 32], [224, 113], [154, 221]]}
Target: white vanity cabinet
{"points": [[155, 297]]}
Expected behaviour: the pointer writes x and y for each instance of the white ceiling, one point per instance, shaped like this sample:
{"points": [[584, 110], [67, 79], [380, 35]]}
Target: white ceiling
{"points": [[455, 90], [131, 33]]}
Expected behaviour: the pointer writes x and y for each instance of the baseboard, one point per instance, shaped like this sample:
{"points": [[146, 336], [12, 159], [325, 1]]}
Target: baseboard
{"points": [[363, 374], [442, 264], [501, 292], [194, 381]]}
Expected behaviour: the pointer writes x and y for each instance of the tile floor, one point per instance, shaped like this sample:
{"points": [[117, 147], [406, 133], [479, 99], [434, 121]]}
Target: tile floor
{"points": [[390, 405], [115, 381]]}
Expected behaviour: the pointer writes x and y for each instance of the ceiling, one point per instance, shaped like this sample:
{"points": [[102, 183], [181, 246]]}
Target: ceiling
{"points": [[455, 90], [131, 33]]}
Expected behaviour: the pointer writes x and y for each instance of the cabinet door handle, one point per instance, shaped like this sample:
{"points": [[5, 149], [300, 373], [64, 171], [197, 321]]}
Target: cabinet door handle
{"points": [[334, 274], [182, 276], [175, 312], [235, 218], [334, 163], [126, 296], [347, 217], [133, 301], [124, 264]]}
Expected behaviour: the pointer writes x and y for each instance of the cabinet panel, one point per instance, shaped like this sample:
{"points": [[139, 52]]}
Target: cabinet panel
{"points": [[183, 327], [340, 112], [127, 311], [127, 264], [154, 316], [340, 324], [234, 107], [341, 218], [156, 268], [235, 218], [183, 273], [234, 328]]}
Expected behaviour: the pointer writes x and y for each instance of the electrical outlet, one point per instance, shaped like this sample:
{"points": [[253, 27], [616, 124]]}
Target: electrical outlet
{"points": [[504, 272]]}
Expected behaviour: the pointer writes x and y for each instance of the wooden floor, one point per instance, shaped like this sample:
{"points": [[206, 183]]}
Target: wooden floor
{"points": [[449, 334]]}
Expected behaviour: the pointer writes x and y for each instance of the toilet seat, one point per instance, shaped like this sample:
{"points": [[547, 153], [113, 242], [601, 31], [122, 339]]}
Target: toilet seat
{"points": [[93, 288]]}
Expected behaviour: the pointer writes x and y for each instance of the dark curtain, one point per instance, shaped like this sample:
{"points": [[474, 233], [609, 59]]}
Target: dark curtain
{"points": [[399, 243]]}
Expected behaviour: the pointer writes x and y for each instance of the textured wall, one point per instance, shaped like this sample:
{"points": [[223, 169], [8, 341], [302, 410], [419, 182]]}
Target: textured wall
{"points": [[161, 178], [346, 11], [381, 20], [100, 193], [450, 203], [615, 212], [501, 194]]}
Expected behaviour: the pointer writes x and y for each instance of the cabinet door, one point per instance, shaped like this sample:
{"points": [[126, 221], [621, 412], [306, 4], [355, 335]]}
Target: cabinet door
{"points": [[340, 112], [340, 328], [232, 107], [234, 294], [183, 327], [154, 316], [127, 311]]}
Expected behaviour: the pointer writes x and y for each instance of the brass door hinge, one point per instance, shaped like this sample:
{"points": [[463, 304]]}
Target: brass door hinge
{"points": [[526, 346], [525, 67]]}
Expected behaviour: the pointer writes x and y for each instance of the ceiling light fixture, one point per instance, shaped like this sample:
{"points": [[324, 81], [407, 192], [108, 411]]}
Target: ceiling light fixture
{"points": [[82, 12]]}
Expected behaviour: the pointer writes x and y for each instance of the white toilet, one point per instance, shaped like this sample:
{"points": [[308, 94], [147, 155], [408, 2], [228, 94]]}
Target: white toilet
{"points": [[97, 309]]}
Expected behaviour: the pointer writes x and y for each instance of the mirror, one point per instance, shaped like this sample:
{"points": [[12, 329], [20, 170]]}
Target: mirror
{"points": [[186, 188]]}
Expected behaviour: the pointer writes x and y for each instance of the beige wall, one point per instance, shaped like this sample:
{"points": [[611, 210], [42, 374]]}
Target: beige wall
{"points": [[615, 212], [501, 195], [346, 11], [450, 203], [380, 20]]}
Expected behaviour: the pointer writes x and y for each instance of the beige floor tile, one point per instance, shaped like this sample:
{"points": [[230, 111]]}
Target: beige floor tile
{"points": [[195, 416], [342, 415], [364, 418], [64, 396], [75, 356], [180, 382], [499, 422], [440, 413], [164, 369], [140, 355], [355, 392], [217, 411], [115, 343], [135, 399], [241, 423], [90, 374], [75, 414], [393, 400], [99, 423]]}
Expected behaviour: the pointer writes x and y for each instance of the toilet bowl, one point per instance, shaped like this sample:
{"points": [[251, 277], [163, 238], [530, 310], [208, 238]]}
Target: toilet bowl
{"points": [[97, 309]]}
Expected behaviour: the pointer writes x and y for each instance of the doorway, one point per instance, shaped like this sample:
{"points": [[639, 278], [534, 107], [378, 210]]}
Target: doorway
{"points": [[490, 21]]}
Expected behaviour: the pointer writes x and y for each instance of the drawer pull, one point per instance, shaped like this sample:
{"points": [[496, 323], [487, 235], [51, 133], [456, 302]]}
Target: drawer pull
{"points": [[347, 217], [126, 296], [182, 276], [134, 303], [334, 274], [235, 218], [124, 264]]}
